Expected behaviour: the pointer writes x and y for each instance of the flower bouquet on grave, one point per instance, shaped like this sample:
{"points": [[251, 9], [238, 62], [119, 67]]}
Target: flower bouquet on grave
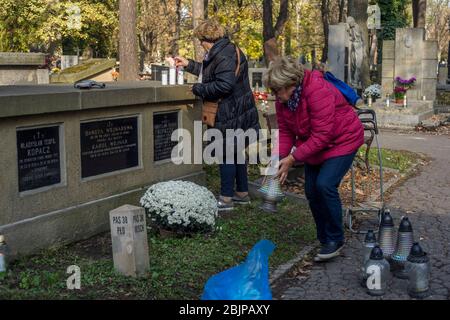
{"points": [[261, 98], [262, 104], [401, 87], [373, 90], [180, 207]]}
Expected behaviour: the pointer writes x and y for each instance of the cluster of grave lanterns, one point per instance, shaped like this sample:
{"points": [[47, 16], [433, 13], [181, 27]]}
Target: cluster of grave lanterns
{"points": [[400, 255], [403, 258]]}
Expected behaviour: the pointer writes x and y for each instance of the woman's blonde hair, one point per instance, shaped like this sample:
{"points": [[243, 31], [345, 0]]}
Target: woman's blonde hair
{"points": [[209, 30], [283, 72]]}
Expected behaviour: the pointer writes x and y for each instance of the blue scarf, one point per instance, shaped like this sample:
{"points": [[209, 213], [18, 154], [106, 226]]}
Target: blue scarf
{"points": [[294, 100]]}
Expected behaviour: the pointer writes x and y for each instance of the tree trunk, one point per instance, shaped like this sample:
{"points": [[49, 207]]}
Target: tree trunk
{"points": [[448, 58], [205, 6], [288, 40], [358, 10], [271, 32], [176, 37], [325, 23], [419, 13], [341, 10], [198, 14], [128, 40]]}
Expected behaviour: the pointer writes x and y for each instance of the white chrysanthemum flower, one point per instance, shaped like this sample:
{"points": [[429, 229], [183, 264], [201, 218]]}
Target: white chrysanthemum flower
{"points": [[182, 205]]}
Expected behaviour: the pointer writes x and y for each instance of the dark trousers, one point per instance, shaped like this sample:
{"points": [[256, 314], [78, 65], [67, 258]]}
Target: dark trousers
{"points": [[321, 189], [231, 173]]}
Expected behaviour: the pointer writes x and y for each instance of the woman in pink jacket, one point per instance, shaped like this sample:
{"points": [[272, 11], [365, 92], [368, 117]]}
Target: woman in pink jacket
{"points": [[319, 127]]}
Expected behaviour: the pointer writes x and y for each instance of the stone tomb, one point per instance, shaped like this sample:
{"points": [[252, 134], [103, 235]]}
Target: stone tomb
{"points": [[397, 116], [22, 68], [71, 156], [129, 240]]}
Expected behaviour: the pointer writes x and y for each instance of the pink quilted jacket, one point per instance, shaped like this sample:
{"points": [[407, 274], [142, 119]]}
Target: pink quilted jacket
{"points": [[323, 126]]}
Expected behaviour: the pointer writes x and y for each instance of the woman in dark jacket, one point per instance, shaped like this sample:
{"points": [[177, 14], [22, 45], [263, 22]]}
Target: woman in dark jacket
{"points": [[237, 109]]}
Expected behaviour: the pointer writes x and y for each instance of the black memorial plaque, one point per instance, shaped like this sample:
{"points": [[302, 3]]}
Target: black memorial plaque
{"points": [[38, 157], [164, 124], [108, 145]]}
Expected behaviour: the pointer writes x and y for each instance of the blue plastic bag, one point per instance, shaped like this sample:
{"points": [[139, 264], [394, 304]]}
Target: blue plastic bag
{"points": [[347, 91], [247, 281]]}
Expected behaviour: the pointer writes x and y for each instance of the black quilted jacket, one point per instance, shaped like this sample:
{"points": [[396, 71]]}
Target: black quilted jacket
{"points": [[237, 109]]}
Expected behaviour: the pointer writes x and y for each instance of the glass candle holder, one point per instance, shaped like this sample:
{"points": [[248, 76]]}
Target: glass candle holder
{"points": [[164, 77]]}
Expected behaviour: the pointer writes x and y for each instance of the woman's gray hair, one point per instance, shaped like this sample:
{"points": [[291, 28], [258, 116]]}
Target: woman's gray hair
{"points": [[283, 72], [209, 30]]}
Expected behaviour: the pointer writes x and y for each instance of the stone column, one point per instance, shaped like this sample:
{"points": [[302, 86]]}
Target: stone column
{"points": [[387, 67]]}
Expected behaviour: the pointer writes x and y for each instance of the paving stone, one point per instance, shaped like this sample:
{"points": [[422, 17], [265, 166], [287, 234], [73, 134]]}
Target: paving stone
{"points": [[427, 196]]}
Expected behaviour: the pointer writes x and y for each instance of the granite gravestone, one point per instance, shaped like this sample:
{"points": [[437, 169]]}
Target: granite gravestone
{"points": [[109, 145], [129, 240], [38, 156], [338, 54], [164, 124], [346, 52]]}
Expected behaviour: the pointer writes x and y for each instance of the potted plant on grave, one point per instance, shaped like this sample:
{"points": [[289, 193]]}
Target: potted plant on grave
{"points": [[180, 208], [401, 87]]}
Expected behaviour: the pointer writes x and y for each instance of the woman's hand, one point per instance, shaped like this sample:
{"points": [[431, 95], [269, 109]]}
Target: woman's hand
{"points": [[181, 62], [283, 169]]}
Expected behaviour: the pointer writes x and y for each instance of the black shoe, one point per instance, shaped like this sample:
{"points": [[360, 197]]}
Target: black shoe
{"points": [[238, 200], [330, 250], [223, 205]]}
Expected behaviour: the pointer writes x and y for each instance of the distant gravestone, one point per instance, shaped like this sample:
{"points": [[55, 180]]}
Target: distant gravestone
{"points": [[68, 61], [255, 76], [346, 52], [338, 58], [411, 55], [129, 240]]}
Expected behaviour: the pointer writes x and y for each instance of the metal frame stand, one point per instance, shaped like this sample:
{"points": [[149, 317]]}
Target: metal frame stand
{"points": [[368, 118]]}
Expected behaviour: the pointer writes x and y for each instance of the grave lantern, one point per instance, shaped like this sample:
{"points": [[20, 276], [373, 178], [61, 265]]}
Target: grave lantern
{"points": [[271, 193], [405, 240], [386, 236], [418, 268], [370, 242], [377, 273]]}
